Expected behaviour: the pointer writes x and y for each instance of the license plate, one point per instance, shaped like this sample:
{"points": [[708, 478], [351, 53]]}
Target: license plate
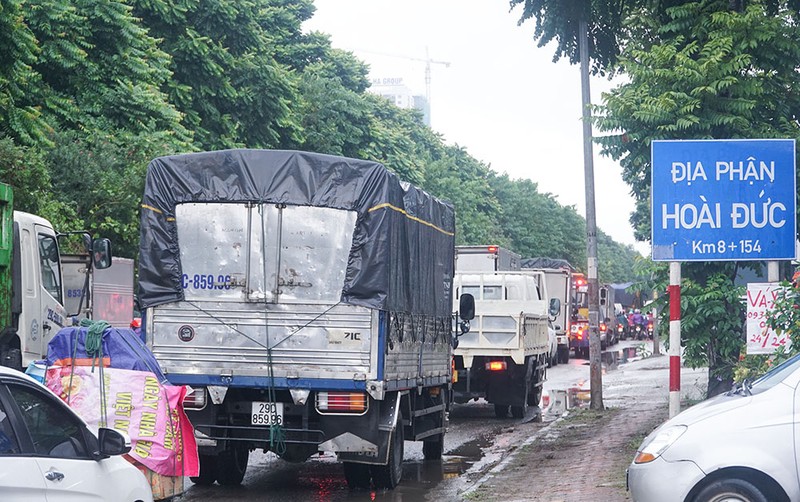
{"points": [[264, 413]]}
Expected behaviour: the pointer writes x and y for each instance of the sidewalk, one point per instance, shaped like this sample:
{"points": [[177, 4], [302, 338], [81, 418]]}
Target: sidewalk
{"points": [[583, 456]]}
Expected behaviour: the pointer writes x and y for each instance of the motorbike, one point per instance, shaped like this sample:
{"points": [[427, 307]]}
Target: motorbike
{"points": [[620, 331], [650, 330], [637, 332]]}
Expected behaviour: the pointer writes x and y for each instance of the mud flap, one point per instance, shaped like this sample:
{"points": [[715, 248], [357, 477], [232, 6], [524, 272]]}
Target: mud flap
{"points": [[388, 420]]}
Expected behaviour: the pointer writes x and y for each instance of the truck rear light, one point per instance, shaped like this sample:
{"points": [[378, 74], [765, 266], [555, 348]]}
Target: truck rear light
{"points": [[341, 402], [453, 370], [195, 399], [492, 249], [496, 366]]}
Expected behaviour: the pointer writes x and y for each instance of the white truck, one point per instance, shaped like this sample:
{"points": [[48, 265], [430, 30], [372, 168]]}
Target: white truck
{"points": [[558, 275], [31, 286], [489, 258], [99, 293], [504, 356]]}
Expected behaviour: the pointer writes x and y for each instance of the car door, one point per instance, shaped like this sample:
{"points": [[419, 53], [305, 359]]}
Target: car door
{"points": [[61, 447], [20, 477]]}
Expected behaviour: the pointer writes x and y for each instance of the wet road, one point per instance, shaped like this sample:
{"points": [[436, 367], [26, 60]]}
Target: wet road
{"points": [[475, 440]]}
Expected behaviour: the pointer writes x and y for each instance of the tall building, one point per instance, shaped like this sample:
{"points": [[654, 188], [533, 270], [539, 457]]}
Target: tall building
{"points": [[401, 95]]}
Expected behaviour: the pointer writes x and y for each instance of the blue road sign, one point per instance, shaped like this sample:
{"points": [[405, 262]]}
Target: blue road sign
{"points": [[717, 200]]}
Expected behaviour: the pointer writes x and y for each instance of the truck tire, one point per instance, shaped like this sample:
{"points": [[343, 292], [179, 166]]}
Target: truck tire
{"points": [[232, 464], [501, 410], [563, 355], [388, 476], [357, 476], [208, 471], [433, 447]]}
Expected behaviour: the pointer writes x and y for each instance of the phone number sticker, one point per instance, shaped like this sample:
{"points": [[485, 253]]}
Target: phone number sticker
{"points": [[761, 339], [206, 281]]}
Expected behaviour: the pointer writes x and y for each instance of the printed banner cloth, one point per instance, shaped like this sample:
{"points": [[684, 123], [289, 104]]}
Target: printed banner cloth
{"points": [[162, 438]]}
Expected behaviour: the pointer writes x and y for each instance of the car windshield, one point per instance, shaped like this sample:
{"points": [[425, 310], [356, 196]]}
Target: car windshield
{"points": [[777, 374]]}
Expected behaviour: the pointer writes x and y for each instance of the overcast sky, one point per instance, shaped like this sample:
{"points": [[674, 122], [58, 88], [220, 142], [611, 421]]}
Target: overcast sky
{"points": [[501, 97]]}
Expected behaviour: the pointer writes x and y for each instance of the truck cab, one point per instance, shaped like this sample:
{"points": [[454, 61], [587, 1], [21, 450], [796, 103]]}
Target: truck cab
{"points": [[36, 290]]}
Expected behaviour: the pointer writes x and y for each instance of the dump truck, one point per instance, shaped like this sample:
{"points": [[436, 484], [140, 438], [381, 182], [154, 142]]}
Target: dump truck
{"points": [[306, 299], [31, 285], [504, 357]]}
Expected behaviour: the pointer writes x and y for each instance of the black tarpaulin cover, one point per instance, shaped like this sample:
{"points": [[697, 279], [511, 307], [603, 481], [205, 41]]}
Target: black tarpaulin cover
{"points": [[402, 254]]}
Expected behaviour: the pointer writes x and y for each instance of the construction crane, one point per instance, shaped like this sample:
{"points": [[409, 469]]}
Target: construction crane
{"points": [[427, 60]]}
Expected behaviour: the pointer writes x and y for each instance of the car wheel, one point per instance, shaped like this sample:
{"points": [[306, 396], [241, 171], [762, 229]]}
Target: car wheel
{"points": [[232, 464], [731, 490], [208, 471], [388, 476], [357, 476]]}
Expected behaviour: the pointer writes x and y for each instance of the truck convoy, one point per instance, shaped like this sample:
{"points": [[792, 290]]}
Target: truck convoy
{"points": [[504, 357], [307, 299], [31, 286]]}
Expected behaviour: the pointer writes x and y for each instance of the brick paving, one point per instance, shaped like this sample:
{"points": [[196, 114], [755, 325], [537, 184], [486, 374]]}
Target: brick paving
{"points": [[583, 457]]}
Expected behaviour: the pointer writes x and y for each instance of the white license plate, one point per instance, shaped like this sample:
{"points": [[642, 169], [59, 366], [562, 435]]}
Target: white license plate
{"points": [[264, 413]]}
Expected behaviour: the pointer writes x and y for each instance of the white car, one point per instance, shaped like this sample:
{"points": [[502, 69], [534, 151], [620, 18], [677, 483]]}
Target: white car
{"points": [[740, 446], [48, 453]]}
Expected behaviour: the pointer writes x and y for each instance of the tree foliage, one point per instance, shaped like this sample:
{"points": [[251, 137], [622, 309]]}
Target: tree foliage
{"points": [[91, 90]]}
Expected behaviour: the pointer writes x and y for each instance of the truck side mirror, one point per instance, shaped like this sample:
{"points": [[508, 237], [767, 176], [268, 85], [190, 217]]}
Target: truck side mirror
{"points": [[101, 253], [555, 306], [466, 307]]}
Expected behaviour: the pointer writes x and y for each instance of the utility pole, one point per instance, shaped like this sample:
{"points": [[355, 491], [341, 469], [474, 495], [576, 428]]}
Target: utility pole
{"points": [[595, 369]]}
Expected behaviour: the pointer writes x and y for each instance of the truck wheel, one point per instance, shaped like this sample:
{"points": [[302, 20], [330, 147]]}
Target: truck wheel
{"points": [[563, 355], [231, 465], [501, 410], [208, 471], [433, 448], [519, 411], [388, 476], [357, 476]]}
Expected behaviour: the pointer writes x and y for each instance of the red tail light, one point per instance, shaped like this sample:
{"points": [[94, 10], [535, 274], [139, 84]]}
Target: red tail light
{"points": [[347, 402]]}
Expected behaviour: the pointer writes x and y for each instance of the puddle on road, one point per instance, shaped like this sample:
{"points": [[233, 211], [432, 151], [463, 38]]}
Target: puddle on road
{"points": [[628, 353]]}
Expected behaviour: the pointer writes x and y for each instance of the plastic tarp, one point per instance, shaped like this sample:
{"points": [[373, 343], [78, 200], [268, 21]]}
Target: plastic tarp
{"points": [[546, 263], [122, 348], [402, 254]]}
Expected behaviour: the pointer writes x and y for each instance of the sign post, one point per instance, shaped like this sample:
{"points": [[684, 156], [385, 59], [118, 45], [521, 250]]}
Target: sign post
{"points": [[720, 200]]}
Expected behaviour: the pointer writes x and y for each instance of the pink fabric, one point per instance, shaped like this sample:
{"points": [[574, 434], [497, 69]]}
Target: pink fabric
{"points": [[162, 438]]}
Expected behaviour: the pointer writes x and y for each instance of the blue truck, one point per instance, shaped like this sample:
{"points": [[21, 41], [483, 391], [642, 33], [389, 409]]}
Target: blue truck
{"points": [[306, 299]]}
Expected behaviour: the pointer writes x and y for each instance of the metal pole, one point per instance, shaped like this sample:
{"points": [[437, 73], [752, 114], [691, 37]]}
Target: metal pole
{"points": [[656, 339], [674, 338], [773, 271], [595, 369]]}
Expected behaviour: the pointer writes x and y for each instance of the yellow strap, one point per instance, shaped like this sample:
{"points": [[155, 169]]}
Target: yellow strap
{"points": [[414, 218]]}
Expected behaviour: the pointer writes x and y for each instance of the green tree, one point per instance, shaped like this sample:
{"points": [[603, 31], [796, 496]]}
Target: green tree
{"points": [[20, 117], [225, 77]]}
